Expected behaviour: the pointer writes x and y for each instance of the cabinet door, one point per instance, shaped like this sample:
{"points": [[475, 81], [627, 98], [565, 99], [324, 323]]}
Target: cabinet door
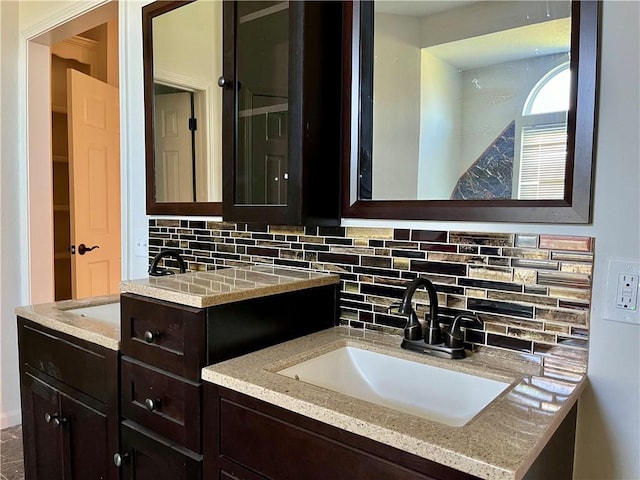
{"points": [[281, 113], [42, 434], [85, 447], [259, 98], [149, 457]]}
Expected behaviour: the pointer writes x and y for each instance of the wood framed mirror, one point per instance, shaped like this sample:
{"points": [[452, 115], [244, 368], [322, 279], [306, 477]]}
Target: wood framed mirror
{"points": [[442, 88], [182, 58]]}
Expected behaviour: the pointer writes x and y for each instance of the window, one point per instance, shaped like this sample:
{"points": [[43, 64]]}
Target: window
{"points": [[543, 149]]}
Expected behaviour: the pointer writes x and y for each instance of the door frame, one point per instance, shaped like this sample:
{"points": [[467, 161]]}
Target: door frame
{"points": [[35, 153]]}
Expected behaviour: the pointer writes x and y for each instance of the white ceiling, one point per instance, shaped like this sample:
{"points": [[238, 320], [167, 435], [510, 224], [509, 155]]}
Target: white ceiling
{"points": [[508, 45], [542, 37], [418, 8]]}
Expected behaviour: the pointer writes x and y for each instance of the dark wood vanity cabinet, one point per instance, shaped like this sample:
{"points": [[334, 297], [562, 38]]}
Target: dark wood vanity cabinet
{"points": [[248, 439], [281, 130], [165, 346], [69, 395]]}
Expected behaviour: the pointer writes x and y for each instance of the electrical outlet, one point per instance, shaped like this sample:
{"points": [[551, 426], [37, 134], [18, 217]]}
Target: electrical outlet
{"points": [[627, 297], [623, 281]]}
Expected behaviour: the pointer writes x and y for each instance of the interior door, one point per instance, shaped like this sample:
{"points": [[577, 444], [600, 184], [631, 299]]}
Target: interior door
{"points": [[173, 148], [94, 185]]}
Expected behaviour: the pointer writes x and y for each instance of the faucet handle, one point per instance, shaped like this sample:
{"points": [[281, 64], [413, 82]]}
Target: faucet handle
{"points": [[453, 336]]}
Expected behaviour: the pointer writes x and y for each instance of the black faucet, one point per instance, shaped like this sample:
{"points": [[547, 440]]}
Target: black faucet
{"points": [[432, 331], [154, 271], [431, 341]]}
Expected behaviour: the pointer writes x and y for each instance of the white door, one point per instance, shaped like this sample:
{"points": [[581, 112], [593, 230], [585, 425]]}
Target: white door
{"points": [[173, 148]]}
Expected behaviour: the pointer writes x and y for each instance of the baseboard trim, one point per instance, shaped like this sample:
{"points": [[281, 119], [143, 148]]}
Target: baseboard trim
{"points": [[10, 419]]}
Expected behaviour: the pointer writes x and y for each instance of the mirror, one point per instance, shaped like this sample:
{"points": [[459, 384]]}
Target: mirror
{"points": [[467, 110], [182, 50]]}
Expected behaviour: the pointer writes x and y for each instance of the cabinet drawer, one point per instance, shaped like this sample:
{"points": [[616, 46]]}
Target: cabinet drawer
{"points": [[85, 367], [163, 334], [162, 402]]}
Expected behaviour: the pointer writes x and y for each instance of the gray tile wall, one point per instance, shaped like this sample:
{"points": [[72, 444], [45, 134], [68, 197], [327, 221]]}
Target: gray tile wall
{"points": [[532, 292]]}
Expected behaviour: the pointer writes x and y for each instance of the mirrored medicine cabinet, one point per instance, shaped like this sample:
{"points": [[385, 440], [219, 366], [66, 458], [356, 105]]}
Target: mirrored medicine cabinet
{"points": [[467, 110], [182, 52]]}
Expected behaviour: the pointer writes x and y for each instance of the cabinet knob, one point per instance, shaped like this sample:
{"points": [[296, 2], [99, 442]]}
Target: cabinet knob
{"points": [[223, 82], [152, 404], [150, 336], [55, 419], [119, 459], [59, 421]]}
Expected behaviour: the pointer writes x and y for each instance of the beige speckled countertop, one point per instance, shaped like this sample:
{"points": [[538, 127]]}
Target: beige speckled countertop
{"points": [[500, 442], [56, 315], [198, 289], [205, 289]]}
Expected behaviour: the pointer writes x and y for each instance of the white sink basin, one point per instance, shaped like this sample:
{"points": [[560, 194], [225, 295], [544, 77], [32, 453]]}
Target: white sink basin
{"points": [[109, 313], [434, 393]]}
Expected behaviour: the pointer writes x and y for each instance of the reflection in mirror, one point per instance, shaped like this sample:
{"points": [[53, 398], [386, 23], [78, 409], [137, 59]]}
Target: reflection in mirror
{"points": [[262, 55], [182, 64], [470, 100]]}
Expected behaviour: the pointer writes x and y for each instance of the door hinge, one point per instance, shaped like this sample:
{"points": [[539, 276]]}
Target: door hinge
{"points": [[193, 124]]}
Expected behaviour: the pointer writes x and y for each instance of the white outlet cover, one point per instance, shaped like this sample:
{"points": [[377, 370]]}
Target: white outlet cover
{"points": [[612, 310]]}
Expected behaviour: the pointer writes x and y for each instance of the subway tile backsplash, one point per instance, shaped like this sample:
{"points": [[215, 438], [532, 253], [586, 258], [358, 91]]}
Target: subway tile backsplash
{"points": [[532, 292]]}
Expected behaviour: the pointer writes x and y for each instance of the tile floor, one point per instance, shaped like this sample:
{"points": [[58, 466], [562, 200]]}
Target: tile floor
{"points": [[11, 463]]}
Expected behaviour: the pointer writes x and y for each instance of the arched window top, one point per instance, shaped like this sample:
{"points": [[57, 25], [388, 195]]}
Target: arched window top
{"points": [[551, 93]]}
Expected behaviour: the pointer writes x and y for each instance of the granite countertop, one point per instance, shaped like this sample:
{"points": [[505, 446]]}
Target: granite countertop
{"points": [[226, 285], [56, 315], [500, 442], [197, 289]]}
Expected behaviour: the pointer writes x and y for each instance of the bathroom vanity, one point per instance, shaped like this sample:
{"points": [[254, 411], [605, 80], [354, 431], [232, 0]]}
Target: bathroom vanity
{"points": [[266, 418], [76, 368], [69, 388], [243, 416]]}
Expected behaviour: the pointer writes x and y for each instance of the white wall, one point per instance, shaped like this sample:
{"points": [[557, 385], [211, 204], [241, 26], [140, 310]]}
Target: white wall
{"points": [[440, 128], [609, 420], [396, 110], [609, 424], [11, 269]]}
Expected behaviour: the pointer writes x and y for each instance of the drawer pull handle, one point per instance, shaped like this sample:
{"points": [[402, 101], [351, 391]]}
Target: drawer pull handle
{"points": [[119, 459], [150, 336], [152, 404]]}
